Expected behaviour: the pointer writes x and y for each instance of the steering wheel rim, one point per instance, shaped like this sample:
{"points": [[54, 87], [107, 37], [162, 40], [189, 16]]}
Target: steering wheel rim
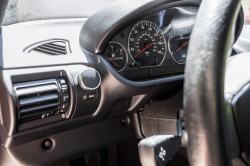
{"points": [[211, 133]]}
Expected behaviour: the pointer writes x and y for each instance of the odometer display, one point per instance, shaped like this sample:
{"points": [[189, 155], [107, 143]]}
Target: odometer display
{"points": [[147, 44]]}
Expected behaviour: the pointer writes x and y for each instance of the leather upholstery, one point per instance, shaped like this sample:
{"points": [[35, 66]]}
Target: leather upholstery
{"points": [[237, 87], [237, 73], [208, 119]]}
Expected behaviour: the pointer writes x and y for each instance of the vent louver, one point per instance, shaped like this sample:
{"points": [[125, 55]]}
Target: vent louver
{"points": [[51, 47], [40, 99]]}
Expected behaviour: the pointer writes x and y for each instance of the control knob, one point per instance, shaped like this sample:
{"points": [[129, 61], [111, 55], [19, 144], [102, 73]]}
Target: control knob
{"points": [[89, 79]]}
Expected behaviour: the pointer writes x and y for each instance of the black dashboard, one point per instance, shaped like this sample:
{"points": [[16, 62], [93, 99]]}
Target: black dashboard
{"points": [[80, 83]]}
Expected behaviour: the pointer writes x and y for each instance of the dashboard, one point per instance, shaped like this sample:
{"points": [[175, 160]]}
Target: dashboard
{"points": [[81, 83]]}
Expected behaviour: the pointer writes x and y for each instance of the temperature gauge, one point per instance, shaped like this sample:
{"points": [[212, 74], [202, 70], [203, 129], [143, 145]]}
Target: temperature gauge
{"points": [[116, 55], [178, 43]]}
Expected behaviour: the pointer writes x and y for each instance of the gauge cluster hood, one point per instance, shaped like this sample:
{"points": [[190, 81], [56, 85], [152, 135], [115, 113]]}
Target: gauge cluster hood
{"points": [[100, 28]]}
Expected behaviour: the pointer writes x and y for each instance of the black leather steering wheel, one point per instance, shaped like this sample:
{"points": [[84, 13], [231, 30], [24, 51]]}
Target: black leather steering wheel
{"points": [[211, 128]]}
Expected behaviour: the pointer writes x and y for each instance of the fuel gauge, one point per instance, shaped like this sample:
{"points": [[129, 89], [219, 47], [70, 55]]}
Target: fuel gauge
{"points": [[116, 55]]}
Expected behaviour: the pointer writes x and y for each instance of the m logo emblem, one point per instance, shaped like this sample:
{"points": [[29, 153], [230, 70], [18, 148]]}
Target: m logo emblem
{"points": [[162, 153]]}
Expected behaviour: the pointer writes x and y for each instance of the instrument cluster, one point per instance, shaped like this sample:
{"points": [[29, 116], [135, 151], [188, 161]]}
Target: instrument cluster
{"points": [[154, 45]]}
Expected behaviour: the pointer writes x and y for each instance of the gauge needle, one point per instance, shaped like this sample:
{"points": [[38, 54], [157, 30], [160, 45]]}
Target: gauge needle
{"points": [[180, 48], [143, 49], [111, 61]]}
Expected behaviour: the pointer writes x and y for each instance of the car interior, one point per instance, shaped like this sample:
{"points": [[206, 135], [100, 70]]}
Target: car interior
{"points": [[125, 82]]}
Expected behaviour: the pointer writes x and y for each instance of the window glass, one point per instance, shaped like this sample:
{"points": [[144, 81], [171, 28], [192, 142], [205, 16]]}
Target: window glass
{"points": [[246, 9], [29, 10]]}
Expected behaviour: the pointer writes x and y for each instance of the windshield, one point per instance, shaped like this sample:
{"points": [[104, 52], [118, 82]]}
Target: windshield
{"points": [[28, 10]]}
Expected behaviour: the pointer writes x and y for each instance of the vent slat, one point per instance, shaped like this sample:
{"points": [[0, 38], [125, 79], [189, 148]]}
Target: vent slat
{"points": [[52, 48], [38, 107], [63, 48], [30, 117], [41, 50], [36, 89], [38, 99], [35, 83], [36, 115], [59, 43]]}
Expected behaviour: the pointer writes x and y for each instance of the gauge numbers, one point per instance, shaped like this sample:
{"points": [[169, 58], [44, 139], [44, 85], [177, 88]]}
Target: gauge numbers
{"points": [[147, 44]]}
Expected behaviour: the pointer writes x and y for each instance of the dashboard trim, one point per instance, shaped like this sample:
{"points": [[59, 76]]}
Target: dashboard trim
{"points": [[121, 19]]}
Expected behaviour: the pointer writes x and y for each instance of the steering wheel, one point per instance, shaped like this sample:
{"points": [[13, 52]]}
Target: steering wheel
{"points": [[214, 134]]}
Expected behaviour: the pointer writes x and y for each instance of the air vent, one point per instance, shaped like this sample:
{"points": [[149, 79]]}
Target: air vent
{"points": [[51, 47], [41, 99]]}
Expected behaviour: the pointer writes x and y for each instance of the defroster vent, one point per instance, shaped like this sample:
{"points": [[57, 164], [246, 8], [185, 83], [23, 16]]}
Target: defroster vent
{"points": [[41, 99], [50, 47]]}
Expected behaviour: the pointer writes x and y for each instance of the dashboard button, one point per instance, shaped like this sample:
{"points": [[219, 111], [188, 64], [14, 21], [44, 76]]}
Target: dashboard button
{"points": [[85, 97], [92, 96]]}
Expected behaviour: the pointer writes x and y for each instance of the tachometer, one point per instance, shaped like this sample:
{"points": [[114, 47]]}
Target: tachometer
{"points": [[147, 44], [116, 55]]}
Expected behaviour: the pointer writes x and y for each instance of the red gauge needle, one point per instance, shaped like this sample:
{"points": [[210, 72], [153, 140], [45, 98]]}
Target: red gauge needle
{"points": [[111, 61], [143, 49], [180, 48]]}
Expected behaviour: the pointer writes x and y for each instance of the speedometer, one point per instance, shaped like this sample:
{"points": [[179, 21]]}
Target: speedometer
{"points": [[147, 44]]}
